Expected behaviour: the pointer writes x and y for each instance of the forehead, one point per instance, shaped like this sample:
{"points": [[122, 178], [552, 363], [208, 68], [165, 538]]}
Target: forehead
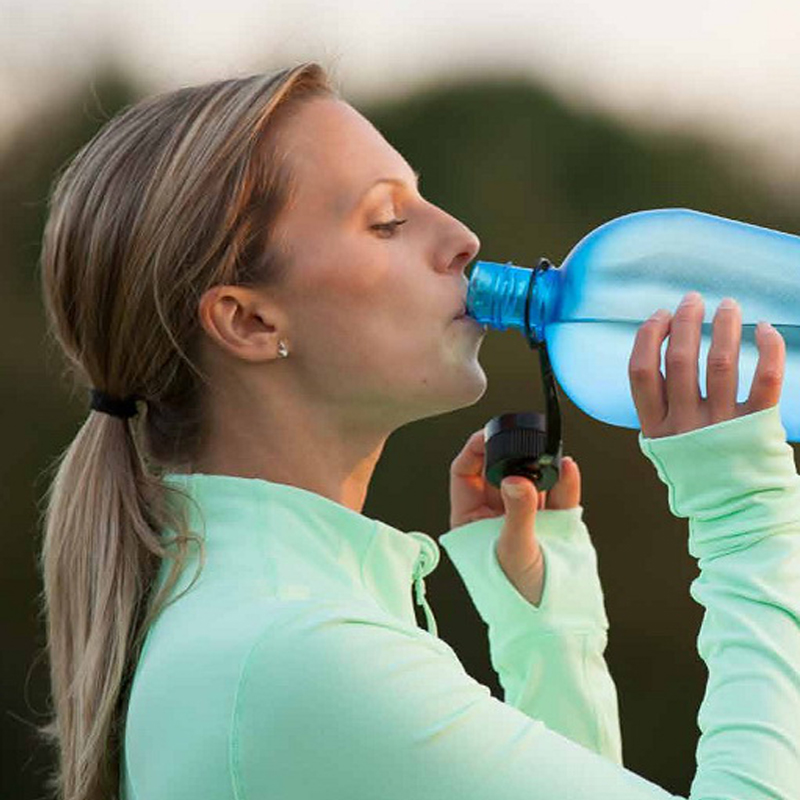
{"points": [[333, 149]]}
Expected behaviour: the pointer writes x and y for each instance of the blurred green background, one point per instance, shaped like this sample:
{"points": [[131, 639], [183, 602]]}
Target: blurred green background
{"points": [[531, 176]]}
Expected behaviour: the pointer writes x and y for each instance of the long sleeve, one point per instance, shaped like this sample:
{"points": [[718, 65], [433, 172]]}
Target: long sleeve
{"points": [[342, 700], [548, 658], [738, 485]]}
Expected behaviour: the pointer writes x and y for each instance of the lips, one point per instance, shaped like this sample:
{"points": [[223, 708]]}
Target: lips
{"points": [[461, 311]]}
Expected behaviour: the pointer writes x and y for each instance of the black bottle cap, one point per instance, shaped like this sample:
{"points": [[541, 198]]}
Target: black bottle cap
{"points": [[516, 444]]}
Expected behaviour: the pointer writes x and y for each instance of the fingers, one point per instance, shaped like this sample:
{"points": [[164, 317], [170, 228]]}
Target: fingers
{"points": [[567, 491], [768, 379], [644, 371], [722, 373], [469, 462], [673, 404], [681, 362]]}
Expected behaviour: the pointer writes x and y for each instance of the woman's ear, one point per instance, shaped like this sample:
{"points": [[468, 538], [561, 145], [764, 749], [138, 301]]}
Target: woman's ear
{"points": [[244, 322]]}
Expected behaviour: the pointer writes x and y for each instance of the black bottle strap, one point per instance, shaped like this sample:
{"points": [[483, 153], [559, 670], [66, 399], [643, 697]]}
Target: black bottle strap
{"points": [[552, 408]]}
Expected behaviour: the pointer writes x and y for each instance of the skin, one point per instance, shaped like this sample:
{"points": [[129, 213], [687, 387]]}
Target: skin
{"points": [[367, 316], [672, 405]]}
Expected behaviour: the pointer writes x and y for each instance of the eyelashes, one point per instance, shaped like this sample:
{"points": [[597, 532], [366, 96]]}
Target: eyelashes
{"points": [[389, 227]]}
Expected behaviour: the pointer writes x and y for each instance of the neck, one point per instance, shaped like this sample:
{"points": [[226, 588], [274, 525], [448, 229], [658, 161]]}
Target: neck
{"points": [[286, 441]]}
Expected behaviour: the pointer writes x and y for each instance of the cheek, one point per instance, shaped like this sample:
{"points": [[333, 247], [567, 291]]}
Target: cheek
{"points": [[372, 338], [351, 293], [371, 348], [335, 273], [361, 319]]}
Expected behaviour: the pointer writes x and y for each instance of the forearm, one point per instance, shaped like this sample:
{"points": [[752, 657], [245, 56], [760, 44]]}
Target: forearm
{"points": [[737, 484], [549, 658]]}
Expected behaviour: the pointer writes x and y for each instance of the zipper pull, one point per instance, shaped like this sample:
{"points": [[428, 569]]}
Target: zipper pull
{"points": [[427, 560], [419, 591]]}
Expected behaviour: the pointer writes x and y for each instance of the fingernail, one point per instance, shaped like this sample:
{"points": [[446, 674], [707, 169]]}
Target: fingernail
{"points": [[764, 326], [728, 302], [512, 489], [662, 313], [689, 298]]}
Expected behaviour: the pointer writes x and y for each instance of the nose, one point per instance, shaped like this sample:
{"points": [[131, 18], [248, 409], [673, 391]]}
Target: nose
{"points": [[466, 245]]}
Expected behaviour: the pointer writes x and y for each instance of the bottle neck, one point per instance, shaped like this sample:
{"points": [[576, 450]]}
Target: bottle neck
{"points": [[508, 296]]}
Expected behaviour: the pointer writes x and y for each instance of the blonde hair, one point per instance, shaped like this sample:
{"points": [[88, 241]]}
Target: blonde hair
{"points": [[177, 193]]}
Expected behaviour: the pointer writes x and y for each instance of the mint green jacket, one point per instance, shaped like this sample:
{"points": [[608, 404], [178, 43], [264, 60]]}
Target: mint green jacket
{"points": [[294, 668]]}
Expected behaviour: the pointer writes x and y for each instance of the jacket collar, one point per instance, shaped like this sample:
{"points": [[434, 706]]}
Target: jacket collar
{"points": [[308, 538]]}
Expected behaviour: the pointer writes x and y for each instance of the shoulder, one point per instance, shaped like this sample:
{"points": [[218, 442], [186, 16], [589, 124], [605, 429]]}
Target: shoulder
{"points": [[308, 635], [318, 655], [336, 691]]}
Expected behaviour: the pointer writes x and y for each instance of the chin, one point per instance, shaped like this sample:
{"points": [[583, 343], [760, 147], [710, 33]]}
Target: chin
{"points": [[466, 391], [476, 387], [452, 386]]}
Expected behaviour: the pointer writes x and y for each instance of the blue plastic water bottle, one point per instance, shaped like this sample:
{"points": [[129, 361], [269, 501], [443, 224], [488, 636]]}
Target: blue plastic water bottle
{"points": [[588, 310]]}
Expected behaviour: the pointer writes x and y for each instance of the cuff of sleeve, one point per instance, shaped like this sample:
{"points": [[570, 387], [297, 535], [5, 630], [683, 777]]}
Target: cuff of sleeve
{"points": [[736, 480], [572, 598]]}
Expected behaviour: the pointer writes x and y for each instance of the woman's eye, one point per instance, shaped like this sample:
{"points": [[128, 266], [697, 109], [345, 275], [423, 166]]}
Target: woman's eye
{"points": [[389, 227]]}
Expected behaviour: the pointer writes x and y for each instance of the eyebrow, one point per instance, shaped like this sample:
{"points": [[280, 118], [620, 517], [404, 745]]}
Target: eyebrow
{"points": [[394, 181]]}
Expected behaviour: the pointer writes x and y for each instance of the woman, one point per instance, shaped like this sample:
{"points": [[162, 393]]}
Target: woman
{"points": [[223, 622]]}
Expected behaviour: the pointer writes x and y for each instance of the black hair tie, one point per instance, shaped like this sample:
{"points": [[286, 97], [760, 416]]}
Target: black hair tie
{"points": [[116, 406]]}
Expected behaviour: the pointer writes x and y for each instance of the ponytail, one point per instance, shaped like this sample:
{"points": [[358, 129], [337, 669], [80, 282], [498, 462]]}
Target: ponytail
{"points": [[100, 555]]}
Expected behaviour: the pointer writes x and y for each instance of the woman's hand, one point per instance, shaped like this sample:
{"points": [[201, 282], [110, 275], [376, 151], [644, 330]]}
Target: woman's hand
{"points": [[673, 405], [472, 497]]}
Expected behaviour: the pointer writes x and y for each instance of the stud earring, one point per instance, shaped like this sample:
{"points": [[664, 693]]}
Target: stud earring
{"points": [[283, 350]]}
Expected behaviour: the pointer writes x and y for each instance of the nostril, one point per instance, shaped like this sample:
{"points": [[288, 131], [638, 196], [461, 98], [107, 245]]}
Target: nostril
{"points": [[468, 258]]}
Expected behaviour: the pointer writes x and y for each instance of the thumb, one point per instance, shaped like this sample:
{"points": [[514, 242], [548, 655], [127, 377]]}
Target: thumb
{"points": [[517, 550], [521, 499]]}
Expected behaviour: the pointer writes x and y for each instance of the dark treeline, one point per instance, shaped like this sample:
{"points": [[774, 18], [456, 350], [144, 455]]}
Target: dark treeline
{"points": [[530, 176]]}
